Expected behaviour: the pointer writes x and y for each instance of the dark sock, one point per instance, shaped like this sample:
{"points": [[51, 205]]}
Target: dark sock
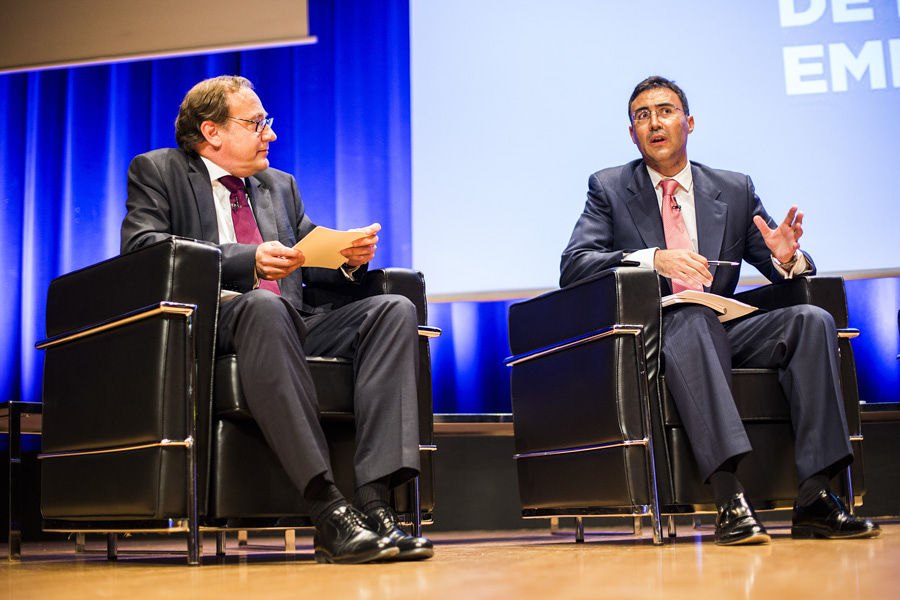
{"points": [[725, 483], [372, 495], [811, 487], [322, 497]]}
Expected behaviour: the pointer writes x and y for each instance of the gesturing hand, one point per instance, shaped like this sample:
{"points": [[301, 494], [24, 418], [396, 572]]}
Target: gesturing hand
{"points": [[688, 267], [274, 260], [362, 250], [782, 241]]}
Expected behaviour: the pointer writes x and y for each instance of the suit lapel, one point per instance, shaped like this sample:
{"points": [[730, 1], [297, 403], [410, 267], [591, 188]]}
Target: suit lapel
{"points": [[644, 209], [711, 215], [261, 200], [202, 188]]}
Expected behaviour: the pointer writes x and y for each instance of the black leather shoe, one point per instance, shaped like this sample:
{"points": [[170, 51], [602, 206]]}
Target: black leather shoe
{"points": [[384, 521], [344, 536], [828, 518], [736, 524]]}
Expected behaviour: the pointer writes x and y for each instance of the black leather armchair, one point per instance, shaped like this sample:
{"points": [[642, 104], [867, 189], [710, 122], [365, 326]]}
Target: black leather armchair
{"points": [[146, 430], [596, 432]]}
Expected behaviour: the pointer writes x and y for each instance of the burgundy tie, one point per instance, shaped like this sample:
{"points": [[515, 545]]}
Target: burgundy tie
{"points": [[676, 232], [245, 229]]}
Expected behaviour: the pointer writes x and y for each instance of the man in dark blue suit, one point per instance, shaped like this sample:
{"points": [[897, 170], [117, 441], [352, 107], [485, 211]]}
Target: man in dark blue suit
{"points": [[217, 187], [675, 216]]}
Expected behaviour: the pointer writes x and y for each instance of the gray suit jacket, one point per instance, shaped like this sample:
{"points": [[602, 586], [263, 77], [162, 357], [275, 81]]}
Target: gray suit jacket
{"points": [[169, 193], [622, 215]]}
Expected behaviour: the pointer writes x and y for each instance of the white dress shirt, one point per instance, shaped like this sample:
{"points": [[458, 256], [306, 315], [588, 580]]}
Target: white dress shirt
{"points": [[222, 200]]}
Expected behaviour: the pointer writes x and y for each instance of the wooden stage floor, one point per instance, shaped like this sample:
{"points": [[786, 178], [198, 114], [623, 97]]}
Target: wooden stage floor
{"points": [[472, 565]]}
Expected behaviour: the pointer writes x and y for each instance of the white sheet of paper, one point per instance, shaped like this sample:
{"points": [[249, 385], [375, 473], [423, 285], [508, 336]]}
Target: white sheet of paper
{"points": [[322, 247]]}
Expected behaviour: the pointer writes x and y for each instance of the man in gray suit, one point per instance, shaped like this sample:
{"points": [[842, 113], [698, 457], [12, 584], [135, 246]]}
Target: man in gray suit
{"points": [[218, 187], [679, 217]]}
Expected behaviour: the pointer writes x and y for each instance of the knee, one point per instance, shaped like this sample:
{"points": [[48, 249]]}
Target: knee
{"points": [[807, 315], [693, 318], [262, 301], [398, 308], [263, 309]]}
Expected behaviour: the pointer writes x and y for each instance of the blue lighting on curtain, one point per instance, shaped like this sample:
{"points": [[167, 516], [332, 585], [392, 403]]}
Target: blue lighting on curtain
{"points": [[341, 109]]}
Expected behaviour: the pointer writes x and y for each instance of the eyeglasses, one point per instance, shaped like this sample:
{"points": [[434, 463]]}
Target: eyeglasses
{"points": [[261, 124], [663, 113]]}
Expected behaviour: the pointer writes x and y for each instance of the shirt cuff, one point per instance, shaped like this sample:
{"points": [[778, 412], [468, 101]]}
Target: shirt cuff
{"points": [[798, 268], [644, 256], [348, 271]]}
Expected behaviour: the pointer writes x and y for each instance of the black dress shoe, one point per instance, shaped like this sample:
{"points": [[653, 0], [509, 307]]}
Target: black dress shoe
{"points": [[828, 518], [384, 522], [736, 524], [344, 536]]}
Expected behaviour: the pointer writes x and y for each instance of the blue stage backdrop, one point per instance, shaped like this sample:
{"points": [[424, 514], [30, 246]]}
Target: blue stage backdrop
{"points": [[341, 110]]}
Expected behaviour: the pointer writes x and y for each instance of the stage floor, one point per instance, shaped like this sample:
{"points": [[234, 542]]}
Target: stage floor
{"points": [[471, 565]]}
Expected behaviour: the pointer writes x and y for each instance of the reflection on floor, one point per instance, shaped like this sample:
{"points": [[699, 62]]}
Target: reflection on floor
{"points": [[508, 564]]}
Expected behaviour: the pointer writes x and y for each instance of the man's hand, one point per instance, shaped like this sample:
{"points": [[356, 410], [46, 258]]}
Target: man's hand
{"points": [[684, 265], [274, 260], [782, 241], [362, 250]]}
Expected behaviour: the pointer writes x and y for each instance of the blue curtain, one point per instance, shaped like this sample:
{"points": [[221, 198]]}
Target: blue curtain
{"points": [[341, 110]]}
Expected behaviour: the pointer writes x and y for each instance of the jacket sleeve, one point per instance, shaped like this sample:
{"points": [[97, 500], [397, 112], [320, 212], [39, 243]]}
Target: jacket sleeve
{"points": [[590, 249]]}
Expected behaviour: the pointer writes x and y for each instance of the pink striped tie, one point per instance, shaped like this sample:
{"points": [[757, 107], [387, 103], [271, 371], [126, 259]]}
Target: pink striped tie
{"points": [[245, 228], [676, 232]]}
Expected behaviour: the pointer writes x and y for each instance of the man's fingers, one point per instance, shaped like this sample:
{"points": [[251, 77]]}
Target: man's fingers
{"points": [[789, 218], [370, 240], [761, 225]]}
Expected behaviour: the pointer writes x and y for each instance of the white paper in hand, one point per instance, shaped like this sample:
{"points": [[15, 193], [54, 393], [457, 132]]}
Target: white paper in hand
{"points": [[322, 247]]}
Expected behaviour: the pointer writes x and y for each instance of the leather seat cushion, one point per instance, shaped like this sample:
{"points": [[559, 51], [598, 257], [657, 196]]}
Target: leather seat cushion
{"points": [[333, 378], [757, 395]]}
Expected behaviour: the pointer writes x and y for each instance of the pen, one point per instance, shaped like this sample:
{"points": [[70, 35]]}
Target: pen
{"points": [[724, 262]]}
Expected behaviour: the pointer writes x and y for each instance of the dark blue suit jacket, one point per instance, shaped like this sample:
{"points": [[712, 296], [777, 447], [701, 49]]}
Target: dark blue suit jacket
{"points": [[169, 193], [622, 215]]}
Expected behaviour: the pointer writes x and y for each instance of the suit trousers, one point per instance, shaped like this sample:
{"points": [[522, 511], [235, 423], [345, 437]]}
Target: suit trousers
{"points": [[799, 341], [272, 340]]}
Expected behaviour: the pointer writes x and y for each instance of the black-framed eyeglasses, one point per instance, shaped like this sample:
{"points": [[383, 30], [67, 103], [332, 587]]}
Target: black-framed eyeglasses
{"points": [[663, 113], [260, 124]]}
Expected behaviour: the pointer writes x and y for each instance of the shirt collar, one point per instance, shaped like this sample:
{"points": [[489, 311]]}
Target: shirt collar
{"points": [[215, 171], [684, 177]]}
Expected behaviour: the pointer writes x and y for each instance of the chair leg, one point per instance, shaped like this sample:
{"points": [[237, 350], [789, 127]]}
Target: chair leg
{"points": [[848, 484], [112, 546], [554, 525], [415, 507], [290, 541], [79, 542], [579, 530], [637, 526], [697, 523], [220, 543], [14, 440], [673, 531], [242, 538]]}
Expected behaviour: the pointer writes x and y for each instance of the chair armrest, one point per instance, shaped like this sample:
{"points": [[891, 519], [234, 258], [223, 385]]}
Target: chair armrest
{"points": [[177, 270], [621, 295], [824, 292]]}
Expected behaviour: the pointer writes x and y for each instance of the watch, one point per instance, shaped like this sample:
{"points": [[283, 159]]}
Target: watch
{"points": [[789, 264]]}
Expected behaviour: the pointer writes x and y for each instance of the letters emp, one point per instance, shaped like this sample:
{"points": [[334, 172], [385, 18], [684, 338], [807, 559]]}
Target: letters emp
{"points": [[804, 66]]}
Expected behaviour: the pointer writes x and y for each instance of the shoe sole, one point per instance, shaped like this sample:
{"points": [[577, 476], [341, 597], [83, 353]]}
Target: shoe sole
{"points": [[417, 554], [356, 559], [809, 533], [758, 538]]}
